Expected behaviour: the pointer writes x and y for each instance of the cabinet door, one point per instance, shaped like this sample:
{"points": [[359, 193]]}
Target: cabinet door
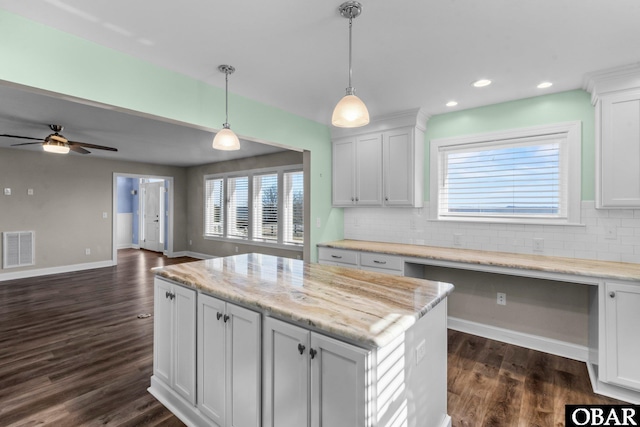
{"points": [[399, 173], [286, 375], [244, 384], [369, 170], [184, 345], [162, 330], [211, 358], [344, 174], [619, 150], [338, 383], [622, 311]]}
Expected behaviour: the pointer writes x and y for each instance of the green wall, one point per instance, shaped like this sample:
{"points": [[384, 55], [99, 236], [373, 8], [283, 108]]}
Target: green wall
{"points": [[541, 110], [38, 56]]}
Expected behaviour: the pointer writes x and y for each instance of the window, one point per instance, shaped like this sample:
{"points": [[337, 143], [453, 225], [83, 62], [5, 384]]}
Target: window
{"points": [[214, 205], [293, 205], [263, 206], [238, 207], [528, 176]]}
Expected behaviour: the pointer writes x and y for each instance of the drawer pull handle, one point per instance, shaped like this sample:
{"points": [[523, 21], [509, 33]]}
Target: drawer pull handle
{"points": [[612, 294], [301, 348], [336, 256], [379, 262]]}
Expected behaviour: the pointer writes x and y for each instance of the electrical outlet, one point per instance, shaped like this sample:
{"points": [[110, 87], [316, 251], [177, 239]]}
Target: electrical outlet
{"points": [[236, 249], [457, 239], [502, 298], [105, 215], [412, 224], [421, 351], [7, 191], [87, 251], [538, 244], [318, 223]]}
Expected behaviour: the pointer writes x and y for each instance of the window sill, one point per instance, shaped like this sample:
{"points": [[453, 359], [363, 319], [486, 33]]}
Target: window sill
{"points": [[288, 247], [515, 221]]}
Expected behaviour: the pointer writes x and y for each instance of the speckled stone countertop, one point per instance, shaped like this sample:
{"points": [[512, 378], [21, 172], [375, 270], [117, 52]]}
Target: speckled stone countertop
{"points": [[367, 308], [578, 267]]}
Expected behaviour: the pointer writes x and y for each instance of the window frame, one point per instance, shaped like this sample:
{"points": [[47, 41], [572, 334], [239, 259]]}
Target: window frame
{"points": [[250, 174], [570, 166]]}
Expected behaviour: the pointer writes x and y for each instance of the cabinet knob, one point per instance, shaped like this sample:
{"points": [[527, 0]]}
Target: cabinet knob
{"points": [[218, 315], [353, 199], [166, 294], [386, 199], [357, 199], [313, 353], [301, 348], [225, 318], [612, 294]]}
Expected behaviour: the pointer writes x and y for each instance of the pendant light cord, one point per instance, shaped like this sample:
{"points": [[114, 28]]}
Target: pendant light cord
{"points": [[350, 22], [226, 99]]}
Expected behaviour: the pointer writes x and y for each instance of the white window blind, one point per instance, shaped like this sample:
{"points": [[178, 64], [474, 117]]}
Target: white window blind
{"points": [[214, 207], [293, 208], [523, 175], [265, 207], [504, 179], [238, 207]]}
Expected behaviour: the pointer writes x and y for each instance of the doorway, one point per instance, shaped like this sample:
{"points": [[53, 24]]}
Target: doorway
{"points": [[149, 224]]}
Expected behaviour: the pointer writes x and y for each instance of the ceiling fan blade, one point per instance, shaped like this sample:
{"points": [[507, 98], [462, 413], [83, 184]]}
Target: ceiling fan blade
{"points": [[27, 143], [21, 137], [78, 149], [94, 146]]}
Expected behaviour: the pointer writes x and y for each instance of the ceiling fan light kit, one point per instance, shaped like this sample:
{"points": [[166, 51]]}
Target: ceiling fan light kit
{"points": [[225, 139], [350, 112], [56, 143]]}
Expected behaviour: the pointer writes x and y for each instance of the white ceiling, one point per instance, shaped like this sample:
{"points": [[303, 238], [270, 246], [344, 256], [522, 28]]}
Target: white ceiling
{"points": [[407, 53]]}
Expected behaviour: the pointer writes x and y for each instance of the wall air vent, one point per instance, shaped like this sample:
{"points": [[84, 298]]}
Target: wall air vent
{"points": [[17, 249]]}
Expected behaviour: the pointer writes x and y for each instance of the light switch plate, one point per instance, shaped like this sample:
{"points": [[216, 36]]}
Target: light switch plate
{"points": [[7, 191], [30, 192]]}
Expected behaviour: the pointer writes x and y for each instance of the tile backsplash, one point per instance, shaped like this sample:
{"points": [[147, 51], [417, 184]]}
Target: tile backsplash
{"points": [[605, 234]]}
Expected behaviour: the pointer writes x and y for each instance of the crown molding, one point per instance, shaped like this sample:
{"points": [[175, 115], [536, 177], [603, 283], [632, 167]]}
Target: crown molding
{"points": [[600, 82]]}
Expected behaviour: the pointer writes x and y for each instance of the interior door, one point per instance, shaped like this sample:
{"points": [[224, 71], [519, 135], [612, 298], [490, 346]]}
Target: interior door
{"points": [[153, 197]]}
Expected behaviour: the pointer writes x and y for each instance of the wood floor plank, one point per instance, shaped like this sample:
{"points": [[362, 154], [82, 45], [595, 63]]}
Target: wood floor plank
{"points": [[74, 353]]}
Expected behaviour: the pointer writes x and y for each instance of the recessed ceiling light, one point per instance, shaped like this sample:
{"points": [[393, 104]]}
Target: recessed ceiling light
{"points": [[451, 104], [482, 83], [545, 85]]}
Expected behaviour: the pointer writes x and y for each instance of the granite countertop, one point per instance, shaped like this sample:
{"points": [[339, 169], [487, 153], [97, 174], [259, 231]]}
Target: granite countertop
{"points": [[573, 266], [367, 308]]}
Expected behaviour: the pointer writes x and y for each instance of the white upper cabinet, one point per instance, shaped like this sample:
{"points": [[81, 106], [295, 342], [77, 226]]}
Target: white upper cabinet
{"points": [[616, 97], [381, 164]]}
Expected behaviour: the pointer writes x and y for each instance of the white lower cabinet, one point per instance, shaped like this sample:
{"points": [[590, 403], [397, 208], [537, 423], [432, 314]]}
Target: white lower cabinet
{"points": [[174, 348], [622, 341], [311, 379], [229, 363]]}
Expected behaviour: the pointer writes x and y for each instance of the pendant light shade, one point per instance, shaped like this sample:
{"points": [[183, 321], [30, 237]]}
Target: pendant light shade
{"points": [[226, 139], [350, 112]]}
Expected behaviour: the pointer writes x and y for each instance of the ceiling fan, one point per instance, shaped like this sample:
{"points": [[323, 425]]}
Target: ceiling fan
{"points": [[56, 143]]}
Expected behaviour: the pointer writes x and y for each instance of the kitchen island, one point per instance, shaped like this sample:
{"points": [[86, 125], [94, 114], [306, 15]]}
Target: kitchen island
{"points": [[253, 340]]}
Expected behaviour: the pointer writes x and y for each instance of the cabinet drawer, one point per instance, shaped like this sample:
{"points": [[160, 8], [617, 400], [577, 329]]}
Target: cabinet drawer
{"points": [[338, 255], [388, 262]]}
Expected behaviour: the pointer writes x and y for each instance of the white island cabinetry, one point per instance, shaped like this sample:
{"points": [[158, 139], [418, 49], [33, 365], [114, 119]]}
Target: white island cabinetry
{"points": [[309, 376], [174, 348], [229, 363], [282, 343]]}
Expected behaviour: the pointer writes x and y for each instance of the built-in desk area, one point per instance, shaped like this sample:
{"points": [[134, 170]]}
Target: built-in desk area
{"points": [[613, 354]]}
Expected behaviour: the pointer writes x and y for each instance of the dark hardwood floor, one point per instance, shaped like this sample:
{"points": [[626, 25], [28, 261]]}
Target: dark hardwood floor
{"points": [[74, 353]]}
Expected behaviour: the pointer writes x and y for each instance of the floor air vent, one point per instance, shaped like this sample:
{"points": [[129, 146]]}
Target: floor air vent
{"points": [[17, 249]]}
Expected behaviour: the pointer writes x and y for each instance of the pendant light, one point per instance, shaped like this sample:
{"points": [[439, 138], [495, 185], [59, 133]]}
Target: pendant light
{"points": [[226, 139], [350, 111]]}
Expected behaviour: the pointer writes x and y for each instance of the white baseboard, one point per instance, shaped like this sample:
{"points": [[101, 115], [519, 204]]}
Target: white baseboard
{"points": [[198, 255], [534, 342], [125, 246], [54, 270]]}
